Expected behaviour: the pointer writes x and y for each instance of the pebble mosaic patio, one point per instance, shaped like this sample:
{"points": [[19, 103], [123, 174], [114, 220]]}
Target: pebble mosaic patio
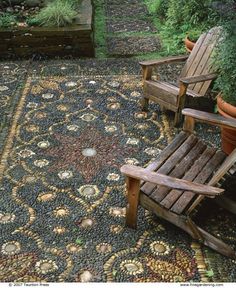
{"points": [[63, 198]]}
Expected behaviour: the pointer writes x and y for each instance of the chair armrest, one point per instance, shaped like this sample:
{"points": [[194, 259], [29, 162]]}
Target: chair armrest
{"points": [[199, 78], [165, 60], [171, 182], [210, 118]]}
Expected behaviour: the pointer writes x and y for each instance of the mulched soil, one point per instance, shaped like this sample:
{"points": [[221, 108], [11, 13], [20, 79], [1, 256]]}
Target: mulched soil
{"points": [[132, 45], [21, 11]]}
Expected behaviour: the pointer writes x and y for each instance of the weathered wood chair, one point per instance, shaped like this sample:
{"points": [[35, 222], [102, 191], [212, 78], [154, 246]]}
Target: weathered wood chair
{"points": [[194, 81], [180, 178]]}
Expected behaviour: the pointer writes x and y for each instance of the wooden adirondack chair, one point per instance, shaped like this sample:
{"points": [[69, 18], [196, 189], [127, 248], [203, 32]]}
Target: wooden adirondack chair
{"points": [[180, 178], [194, 81]]}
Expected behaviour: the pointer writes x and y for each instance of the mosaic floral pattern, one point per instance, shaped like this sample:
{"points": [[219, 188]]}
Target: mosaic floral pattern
{"points": [[63, 209]]}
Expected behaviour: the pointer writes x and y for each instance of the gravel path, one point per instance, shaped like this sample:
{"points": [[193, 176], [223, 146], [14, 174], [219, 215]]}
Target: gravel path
{"points": [[130, 30]]}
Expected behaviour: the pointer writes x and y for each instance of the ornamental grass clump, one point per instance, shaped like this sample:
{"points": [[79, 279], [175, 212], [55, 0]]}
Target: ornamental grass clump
{"points": [[7, 20], [57, 13]]}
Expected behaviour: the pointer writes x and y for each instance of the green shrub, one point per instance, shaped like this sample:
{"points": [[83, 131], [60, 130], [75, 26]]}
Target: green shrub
{"points": [[190, 12], [57, 13], [188, 17], [162, 8], [225, 58], [7, 20], [158, 7]]}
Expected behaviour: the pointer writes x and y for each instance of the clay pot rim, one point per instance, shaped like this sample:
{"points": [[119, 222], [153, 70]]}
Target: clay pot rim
{"points": [[189, 40], [226, 107], [188, 44]]}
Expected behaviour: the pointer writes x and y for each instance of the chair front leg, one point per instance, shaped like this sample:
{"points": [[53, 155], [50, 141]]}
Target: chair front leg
{"points": [[133, 189], [147, 73], [144, 103], [181, 102]]}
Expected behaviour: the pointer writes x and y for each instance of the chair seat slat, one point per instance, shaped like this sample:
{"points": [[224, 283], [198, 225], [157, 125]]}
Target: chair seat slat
{"points": [[170, 163]]}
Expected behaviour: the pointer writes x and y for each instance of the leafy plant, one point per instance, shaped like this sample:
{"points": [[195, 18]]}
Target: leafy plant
{"points": [[7, 20], [193, 35], [158, 7], [225, 57], [191, 12], [57, 13], [225, 62]]}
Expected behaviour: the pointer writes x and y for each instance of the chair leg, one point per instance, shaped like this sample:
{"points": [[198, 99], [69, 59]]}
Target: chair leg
{"points": [[226, 203], [211, 241], [133, 187], [144, 103], [178, 113], [185, 223], [178, 117], [163, 109]]}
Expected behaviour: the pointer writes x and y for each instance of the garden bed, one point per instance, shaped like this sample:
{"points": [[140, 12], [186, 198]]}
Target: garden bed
{"points": [[75, 40]]}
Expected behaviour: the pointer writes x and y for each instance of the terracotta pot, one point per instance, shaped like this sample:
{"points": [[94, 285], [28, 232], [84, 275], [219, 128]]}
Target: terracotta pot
{"points": [[228, 136], [188, 44]]}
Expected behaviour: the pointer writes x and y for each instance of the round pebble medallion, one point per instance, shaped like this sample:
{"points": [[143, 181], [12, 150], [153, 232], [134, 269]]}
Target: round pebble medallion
{"points": [[72, 127], [86, 222], [45, 266], [43, 144], [32, 105], [89, 152], [3, 88], [26, 153], [103, 248], [88, 190], [85, 276], [59, 230], [159, 247], [41, 163], [7, 218], [131, 161], [73, 248], [43, 197], [135, 94], [114, 84], [131, 267], [113, 106], [71, 84], [88, 117], [47, 96], [117, 211], [61, 212], [32, 128], [65, 174], [113, 177], [11, 248], [111, 128]]}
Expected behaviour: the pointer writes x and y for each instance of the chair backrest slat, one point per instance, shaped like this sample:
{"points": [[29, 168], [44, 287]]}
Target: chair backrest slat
{"points": [[199, 61]]}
